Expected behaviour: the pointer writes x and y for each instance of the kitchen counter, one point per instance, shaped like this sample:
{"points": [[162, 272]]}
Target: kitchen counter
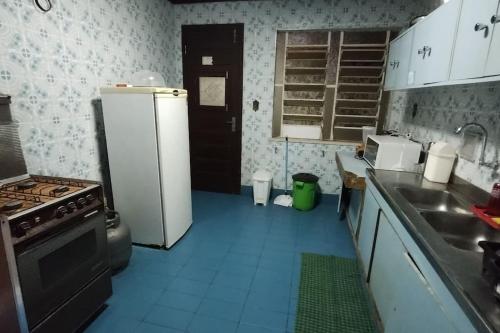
{"points": [[352, 170], [460, 270]]}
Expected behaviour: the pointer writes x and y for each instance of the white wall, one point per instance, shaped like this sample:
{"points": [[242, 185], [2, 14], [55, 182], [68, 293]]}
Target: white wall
{"points": [[53, 65]]}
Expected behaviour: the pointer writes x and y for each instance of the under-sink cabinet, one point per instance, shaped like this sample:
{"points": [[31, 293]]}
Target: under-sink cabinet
{"points": [[408, 303], [410, 296]]}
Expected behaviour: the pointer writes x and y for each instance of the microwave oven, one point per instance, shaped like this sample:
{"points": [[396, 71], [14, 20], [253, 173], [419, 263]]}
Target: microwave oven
{"points": [[392, 153]]}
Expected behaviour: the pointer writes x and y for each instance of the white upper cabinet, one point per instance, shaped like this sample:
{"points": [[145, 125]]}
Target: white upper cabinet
{"points": [[398, 62], [457, 43], [433, 45], [474, 36], [493, 61]]}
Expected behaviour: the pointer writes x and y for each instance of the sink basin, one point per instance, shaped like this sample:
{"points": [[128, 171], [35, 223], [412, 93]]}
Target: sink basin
{"points": [[432, 200], [460, 230]]}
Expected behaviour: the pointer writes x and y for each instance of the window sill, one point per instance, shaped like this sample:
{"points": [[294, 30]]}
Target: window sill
{"points": [[314, 141]]}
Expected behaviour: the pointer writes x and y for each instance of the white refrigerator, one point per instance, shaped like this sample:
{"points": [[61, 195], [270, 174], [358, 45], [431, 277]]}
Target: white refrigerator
{"points": [[147, 138]]}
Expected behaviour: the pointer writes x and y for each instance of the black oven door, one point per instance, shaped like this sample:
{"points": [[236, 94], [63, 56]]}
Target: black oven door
{"points": [[52, 271]]}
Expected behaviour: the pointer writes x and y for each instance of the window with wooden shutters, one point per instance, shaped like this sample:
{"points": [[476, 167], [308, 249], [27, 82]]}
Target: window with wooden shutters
{"points": [[328, 84]]}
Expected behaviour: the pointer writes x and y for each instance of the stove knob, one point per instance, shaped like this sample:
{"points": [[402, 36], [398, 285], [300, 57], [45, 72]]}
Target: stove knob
{"points": [[21, 229], [81, 202], [61, 211], [71, 206], [89, 198]]}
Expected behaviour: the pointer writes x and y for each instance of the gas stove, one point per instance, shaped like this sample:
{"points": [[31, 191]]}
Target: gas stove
{"points": [[36, 204]]}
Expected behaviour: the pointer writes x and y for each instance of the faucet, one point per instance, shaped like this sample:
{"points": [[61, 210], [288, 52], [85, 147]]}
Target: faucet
{"points": [[484, 134]]}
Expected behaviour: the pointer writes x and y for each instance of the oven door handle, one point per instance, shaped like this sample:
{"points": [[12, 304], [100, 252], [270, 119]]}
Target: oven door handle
{"points": [[92, 213]]}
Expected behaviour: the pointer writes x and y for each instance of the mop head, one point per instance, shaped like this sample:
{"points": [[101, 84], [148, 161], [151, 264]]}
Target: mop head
{"points": [[283, 200]]}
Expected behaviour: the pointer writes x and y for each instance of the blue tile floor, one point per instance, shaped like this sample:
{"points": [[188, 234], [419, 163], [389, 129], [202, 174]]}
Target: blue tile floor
{"points": [[236, 270]]}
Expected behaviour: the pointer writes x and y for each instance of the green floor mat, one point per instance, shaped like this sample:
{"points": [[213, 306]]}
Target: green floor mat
{"points": [[331, 297]]}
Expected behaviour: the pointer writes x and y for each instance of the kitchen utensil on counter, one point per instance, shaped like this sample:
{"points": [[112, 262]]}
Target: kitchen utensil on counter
{"points": [[482, 213], [440, 161], [494, 201], [491, 265]]}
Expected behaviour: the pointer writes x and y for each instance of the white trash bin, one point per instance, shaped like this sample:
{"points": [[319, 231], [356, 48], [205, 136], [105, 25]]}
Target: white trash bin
{"points": [[440, 162], [262, 181]]}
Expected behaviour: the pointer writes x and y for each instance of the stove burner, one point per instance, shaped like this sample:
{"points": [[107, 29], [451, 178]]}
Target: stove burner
{"points": [[26, 185], [12, 205], [60, 189]]}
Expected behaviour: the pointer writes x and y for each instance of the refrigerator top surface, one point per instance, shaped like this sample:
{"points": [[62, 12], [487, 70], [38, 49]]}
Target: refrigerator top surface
{"points": [[144, 90]]}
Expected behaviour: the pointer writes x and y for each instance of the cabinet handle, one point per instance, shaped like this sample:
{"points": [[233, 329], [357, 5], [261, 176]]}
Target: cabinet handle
{"points": [[480, 26], [425, 51], [413, 265], [495, 19]]}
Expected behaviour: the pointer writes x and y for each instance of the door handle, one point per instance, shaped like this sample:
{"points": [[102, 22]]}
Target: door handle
{"points": [[232, 122], [480, 26], [495, 19]]}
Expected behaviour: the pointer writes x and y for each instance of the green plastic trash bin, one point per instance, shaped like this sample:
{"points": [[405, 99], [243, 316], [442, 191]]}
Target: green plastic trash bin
{"points": [[304, 191]]}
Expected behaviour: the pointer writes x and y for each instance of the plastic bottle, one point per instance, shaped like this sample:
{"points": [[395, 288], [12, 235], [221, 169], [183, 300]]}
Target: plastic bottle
{"points": [[494, 202]]}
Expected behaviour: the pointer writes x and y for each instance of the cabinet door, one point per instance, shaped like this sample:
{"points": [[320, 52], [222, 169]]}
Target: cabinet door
{"points": [[493, 62], [391, 65], [433, 45], [403, 63], [385, 269], [416, 308], [473, 39], [369, 218], [405, 301]]}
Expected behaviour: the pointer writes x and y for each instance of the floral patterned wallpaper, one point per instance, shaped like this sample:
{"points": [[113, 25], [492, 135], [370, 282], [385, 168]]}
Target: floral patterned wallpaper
{"points": [[441, 110], [262, 19], [53, 65]]}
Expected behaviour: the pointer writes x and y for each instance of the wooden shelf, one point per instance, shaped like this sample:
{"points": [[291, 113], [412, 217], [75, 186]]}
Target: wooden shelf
{"points": [[363, 46], [349, 127], [361, 60], [364, 50], [354, 116], [360, 76], [308, 47], [302, 102], [304, 86], [360, 67], [357, 100], [355, 108], [299, 115], [305, 70], [359, 84]]}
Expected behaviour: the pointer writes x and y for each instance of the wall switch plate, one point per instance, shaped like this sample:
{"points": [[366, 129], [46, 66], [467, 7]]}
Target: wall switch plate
{"points": [[255, 105]]}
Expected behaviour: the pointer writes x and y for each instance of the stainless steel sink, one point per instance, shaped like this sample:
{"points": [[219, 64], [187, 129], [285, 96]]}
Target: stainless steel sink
{"points": [[432, 200], [462, 231]]}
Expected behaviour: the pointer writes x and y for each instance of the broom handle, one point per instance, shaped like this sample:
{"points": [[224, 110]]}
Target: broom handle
{"points": [[286, 165]]}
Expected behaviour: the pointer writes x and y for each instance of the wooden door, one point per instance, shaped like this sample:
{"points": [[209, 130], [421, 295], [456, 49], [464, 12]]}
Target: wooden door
{"points": [[473, 39], [212, 64]]}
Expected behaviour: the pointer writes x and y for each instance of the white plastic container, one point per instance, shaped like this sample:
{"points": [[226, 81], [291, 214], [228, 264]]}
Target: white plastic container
{"points": [[440, 162], [368, 130], [262, 181]]}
